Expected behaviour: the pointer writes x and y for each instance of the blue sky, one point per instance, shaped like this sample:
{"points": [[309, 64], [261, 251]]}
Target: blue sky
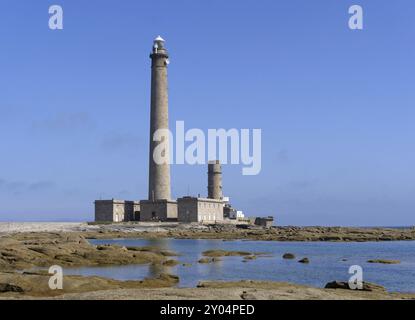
{"points": [[336, 107]]}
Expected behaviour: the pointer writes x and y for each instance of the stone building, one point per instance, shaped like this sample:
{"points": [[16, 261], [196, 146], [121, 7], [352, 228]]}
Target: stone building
{"points": [[158, 210], [192, 209], [117, 210], [266, 222], [229, 212]]}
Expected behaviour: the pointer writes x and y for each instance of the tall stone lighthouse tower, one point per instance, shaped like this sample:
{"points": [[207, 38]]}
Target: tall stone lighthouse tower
{"points": [[159, 174], [159, 206]]}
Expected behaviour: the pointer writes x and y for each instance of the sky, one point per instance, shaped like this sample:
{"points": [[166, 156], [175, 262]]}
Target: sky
{"points": [[335, 106]]}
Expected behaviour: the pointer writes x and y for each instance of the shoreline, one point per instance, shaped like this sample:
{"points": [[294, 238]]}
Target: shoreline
{"points": [[218, 231], [23, 248], [96, 288]]}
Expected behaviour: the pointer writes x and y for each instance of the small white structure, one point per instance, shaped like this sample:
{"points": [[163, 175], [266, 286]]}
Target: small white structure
{"points": [[240, 215]]}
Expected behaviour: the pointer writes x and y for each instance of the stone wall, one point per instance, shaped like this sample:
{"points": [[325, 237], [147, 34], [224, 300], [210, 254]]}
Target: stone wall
{"points": [[104, 210], [159, 210], [116, 210], [187, 210], [199, 210], [266, 222], [132, 211]]}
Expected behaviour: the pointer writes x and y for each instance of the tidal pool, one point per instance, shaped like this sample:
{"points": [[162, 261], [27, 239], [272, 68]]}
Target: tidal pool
{"points": [[328, 261]]}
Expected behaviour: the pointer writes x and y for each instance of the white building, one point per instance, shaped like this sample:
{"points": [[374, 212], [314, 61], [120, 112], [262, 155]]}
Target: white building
{"points": [[239, 215]]}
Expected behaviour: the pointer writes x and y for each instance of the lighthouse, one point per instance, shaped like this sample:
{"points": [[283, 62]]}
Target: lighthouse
{"points": [[159, 173], [159, 206]]}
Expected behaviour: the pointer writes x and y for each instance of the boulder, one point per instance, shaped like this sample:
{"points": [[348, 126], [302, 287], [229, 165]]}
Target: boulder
{"points": [[170, 263], [209, 260], [367, 286], [337, 285], [224, 253], [6, 287], [247, 296], [384, 261], [288, 256]]}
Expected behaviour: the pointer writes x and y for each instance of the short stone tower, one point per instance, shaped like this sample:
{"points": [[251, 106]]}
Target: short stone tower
{"points": [[159, 174], [215, 180]]}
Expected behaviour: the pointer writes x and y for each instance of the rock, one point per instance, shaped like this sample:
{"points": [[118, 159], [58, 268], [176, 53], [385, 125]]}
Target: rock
{"points": [[337, 285], [135, 249], [161, 281], [6, 287], [249, 258], [383, 261], [247, 296], [288, 256], [170, 263], [224, 253], [331, 238], [209, 260], [367, 286], [169, 277], [205, 260], [103, 247], [304, 260]]}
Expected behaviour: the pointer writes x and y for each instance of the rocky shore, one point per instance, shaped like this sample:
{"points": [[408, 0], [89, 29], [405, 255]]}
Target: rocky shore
{"points": [[220, 231], [27, 250], [96, 288], [30, 250], [26, 257], [335, 234]]}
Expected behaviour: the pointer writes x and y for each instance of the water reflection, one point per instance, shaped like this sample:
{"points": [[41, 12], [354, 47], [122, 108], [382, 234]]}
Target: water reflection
{"points": [[163, 244], [156, 269]]}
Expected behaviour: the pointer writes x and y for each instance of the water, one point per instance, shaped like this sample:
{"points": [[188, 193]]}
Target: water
{"points": [[325, 262]]}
